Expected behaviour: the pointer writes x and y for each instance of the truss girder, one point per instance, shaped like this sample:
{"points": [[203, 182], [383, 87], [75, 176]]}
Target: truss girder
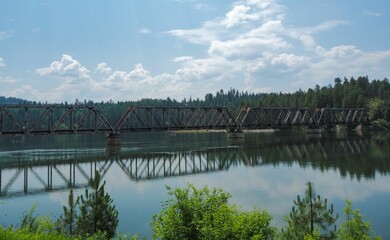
{"points": [[73, 119], [49, 119], [140, 118], [263, 117]]}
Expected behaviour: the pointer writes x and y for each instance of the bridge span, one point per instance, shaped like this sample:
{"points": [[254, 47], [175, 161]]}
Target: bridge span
{"points": [[76, 119]]}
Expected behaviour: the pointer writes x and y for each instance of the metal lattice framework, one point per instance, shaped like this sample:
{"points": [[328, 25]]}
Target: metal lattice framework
{"points": [[141, 118], [266, 117], [49, 119], [73, 119]]}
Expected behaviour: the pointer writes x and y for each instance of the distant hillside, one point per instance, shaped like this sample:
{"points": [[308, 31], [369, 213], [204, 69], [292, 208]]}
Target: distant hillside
{"points": [[12, 100]]}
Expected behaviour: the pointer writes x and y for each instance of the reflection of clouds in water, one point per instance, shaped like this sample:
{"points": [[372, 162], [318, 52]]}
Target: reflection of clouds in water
{"points": [[275, 188], [61, 197]]}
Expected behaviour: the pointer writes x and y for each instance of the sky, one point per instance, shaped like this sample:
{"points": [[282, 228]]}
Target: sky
{"points": [[57, 50]]}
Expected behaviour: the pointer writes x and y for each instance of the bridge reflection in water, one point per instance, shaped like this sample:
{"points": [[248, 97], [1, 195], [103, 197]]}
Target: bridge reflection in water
{"points": [[50, 171]]}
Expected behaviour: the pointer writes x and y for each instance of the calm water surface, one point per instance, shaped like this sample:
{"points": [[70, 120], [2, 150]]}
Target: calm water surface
{"points": [[263, 170]]}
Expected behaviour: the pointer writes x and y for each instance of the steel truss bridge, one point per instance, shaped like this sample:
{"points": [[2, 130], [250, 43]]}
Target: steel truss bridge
{"points": [[74, 119], [72, 170]]}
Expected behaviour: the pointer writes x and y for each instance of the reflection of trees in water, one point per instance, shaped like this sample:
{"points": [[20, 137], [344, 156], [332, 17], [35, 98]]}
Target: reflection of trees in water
{"points": [[356, 157]]}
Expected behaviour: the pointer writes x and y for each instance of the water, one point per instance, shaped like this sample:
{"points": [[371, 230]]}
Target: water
{"points": [[263, 170]]}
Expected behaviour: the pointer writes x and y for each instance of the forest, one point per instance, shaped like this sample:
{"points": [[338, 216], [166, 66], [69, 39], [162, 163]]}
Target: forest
{"points": [[361, 92]]}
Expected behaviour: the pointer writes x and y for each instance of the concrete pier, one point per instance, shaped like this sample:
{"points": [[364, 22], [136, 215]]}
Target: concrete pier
{"points": [[114, 139]]}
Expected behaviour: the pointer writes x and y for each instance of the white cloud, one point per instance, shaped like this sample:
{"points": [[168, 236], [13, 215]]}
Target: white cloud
{"points": [[372, 13], [27, 91], [2, 64], [145, 31], [327, 25], [290, 60], [196, 4], [198, 35], [246, 47], [7, 79], [249, 47], [103, 68], [67, 67], [6, 34], [239, 14], [182, 59], [346, 60]]}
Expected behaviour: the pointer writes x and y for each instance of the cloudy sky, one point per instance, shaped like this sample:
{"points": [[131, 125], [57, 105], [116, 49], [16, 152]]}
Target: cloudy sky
{"points": [[131, 49]]}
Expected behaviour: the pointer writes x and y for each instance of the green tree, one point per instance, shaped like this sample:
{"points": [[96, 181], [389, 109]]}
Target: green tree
{"points": [[67, 220], [309, 215], [192, 213], [36, 224], [354, 226], [376, 108], [97, 214]]}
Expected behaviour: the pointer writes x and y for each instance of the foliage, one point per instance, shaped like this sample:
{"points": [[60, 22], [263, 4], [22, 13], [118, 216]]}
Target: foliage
{"points": [[67, 221], [36, 224], [308, 215], [96, 210], [24, 234], [354, 226], [192, 213]]}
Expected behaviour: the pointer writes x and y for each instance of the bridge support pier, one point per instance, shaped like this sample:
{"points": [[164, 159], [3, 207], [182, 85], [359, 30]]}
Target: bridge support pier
{"points": [[235, 133], [313, 130], [114, 139]]}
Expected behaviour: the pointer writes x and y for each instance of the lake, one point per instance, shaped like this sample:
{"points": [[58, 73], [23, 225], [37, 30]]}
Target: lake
{"points": [[265, 170]]}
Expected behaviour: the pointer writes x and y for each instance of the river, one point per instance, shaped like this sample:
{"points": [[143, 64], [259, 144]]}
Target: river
{"points": [[262, 170]]}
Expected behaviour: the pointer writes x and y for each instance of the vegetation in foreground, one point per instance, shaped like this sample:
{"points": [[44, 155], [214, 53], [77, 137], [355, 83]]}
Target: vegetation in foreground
{"points": [[193, 213]]}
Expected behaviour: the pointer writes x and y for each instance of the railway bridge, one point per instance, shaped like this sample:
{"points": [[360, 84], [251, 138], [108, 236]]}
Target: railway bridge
{"points": [[76, 119]]}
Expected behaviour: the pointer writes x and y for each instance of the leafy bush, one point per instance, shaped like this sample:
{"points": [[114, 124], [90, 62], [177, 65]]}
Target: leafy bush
{"points": [[192, 213]]}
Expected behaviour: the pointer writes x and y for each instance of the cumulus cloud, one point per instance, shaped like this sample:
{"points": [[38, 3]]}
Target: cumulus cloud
{"points": [[346, 60], [253, 38], [289, 60], [249, 47], [103, 68], [67, 67]]}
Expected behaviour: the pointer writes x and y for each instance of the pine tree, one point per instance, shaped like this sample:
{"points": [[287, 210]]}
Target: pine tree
{"points": [[310, 215], [68, 219], [97, 214]]}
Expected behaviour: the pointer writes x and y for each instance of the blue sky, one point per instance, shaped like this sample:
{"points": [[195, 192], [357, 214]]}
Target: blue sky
{"points": [[55, 50]]}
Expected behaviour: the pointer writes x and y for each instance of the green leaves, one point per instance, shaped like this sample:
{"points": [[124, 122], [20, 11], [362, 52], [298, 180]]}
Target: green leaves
{"points": [[192, 213], [354, 226]]}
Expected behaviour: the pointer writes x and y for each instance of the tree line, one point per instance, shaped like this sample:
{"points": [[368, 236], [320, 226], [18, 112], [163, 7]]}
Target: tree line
{"points": [[361, 92]]}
